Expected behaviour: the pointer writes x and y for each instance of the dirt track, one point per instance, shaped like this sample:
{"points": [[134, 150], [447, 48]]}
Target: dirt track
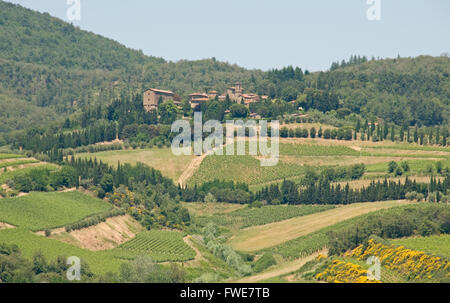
{"points": [[282, 269]]}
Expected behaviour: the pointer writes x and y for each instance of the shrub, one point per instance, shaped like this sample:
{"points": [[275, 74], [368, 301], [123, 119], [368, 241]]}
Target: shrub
{"points": [[411, 196], [405, 166], [264, 262], [209, 198], [392, 166]]}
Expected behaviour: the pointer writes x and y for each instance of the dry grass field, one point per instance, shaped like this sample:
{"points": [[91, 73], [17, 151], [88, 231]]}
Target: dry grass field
{"points": [[264, 236], [159, 158]]}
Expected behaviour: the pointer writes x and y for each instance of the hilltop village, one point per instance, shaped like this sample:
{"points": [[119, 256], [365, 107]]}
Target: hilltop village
{"points": [[153, 97]]}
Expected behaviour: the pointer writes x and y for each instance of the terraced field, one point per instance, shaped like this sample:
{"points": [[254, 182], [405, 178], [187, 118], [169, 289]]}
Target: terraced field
{"points": [[9, 156], [17, 163]]}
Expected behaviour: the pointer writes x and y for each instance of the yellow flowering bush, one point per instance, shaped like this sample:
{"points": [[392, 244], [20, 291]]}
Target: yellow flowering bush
{"points": [[412, 264], [344, 272]]}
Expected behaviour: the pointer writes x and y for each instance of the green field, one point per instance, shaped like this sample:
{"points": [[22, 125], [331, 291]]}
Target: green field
{"points": [[39, 211], [17, 163], [436, 245], [314, 150], [247, 217], [9, 156], [160, 245], [4, 176], [416, 166], [99, 262]]}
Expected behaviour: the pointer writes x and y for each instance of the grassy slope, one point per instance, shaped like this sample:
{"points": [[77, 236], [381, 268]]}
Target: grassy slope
{"points": [[270, 235], [29, 244], [39, 211], [11, 174], [437, 245]]}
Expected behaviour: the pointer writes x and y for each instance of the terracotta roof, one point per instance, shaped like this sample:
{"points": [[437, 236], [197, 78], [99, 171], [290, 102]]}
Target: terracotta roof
{"points": [[198, 94], [250, 95], [199, 99], [161, 91]]}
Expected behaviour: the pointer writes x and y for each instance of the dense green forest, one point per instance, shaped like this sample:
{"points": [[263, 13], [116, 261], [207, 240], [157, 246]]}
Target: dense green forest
{"points": [[50, 69]]}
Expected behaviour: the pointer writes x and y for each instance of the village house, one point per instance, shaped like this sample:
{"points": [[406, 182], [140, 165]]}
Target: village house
{"points": [[198, 98], [250, 98], [212, 94]]}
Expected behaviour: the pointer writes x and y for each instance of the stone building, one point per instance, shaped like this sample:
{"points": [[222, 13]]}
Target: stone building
{"points": [[235, 92], [152, 97]]}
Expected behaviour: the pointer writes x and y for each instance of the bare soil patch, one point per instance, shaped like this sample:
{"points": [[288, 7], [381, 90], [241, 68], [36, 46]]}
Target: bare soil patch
{"points": [[6, 225], [106, 235]]}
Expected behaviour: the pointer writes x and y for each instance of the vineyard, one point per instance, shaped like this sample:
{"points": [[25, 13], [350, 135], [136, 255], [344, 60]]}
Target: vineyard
{"points": [[247, 217], [99, 262], [243, 169], [315, 150], [160, 245], [39, 211]]}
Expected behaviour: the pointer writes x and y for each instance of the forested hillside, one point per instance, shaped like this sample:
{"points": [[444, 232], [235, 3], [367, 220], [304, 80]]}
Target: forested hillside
{"points": [[51, 68]]}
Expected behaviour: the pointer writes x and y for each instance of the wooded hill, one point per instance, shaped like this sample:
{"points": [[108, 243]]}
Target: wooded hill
{"points": [[50, 69]]}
